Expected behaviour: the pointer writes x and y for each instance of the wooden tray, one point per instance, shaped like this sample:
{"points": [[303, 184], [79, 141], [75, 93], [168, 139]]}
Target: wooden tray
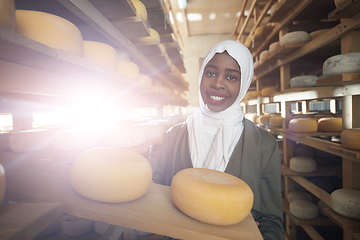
{"points": [[38, 180]]}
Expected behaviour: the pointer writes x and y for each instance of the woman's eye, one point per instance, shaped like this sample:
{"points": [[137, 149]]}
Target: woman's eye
{"points": [[210, 74], [232, 78]]}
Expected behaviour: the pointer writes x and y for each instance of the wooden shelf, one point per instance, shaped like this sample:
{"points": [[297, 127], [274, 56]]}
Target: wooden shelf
{"points": [[343, 222], [39, 181], [321, 171], [349, 9], [26, 220]]}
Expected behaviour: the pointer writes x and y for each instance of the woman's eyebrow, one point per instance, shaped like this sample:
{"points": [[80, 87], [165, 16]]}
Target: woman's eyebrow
{"points": [[232, 70]]}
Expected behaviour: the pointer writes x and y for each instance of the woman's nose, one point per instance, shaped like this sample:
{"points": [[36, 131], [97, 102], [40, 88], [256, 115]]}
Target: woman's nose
{"points": [[219, 82]]}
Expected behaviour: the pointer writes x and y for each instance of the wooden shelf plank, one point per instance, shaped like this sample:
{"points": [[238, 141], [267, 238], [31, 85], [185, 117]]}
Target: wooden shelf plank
{"points": [[115, 9], [314, 235], [349, 9], [284, 9], [319, 221], [343, 222], [321, 171], [155, 212], [26, 220]]}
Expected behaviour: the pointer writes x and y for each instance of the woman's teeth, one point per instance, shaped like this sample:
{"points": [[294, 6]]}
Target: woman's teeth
{"points": [[217, 98]]}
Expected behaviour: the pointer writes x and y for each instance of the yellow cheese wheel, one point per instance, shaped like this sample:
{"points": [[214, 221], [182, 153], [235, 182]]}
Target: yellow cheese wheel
{"points": [[2, 183], [140, 9], [7, 14], [154, 37], [145, 80], [264, 119], [274, 48], [268, 91], [101, 53], [264, 55], [350, 138], [330, 124], [111, 175], [51, 30], [211, 196], [275, 121], [303, 125], [128, 69]]}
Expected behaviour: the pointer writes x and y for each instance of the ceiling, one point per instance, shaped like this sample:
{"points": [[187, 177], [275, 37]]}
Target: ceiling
{"points": [[201, 17]]}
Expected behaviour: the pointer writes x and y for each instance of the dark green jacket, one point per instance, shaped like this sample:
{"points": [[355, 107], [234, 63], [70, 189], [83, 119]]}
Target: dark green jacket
{"points": [[256, 160]]}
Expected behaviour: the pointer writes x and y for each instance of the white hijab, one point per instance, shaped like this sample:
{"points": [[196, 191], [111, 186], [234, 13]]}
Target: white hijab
{"points": [[226, 126]]}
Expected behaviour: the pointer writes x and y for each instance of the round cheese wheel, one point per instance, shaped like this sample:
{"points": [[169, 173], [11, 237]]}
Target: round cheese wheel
{"points": [[111, 175], [2, 183], [74, 226], [295, 37], [303, 81], [350, 138], [274, 8], [346, 202], [51, 30], [145, 80], [101, 53], [303, 209], [264, 120], [31, 140], [299, 195], [7, 14], [268, 91], [128, 69], [303, 125], [211, 196], [254, 94], [340, 3], [317, 33], [259, 30], [264, 55], [276, 121], [274, 48], [69, 140], [302, 164], [330, 124], [154, 37], [341, 64], [140, 9]]}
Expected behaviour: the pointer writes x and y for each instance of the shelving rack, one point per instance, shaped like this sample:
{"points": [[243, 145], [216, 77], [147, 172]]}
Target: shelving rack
{"points": [[291, 60]]}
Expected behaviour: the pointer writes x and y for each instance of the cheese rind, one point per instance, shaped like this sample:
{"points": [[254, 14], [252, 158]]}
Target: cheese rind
{"points": [[140, 9], [211, 196], [275, 121], [302, 164], [128, 69], [154, 37], [346, 202], [299, 195], [111, 175], [330, 124], [341, 64], [303, 209], [303, 125], [51, 30], [295, 37], [350, 138], [101, 53], [274, 47], [303, 81]]}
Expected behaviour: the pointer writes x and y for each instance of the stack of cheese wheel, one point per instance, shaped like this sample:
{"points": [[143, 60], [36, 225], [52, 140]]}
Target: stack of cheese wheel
{"points": [[140, 9], [154, 37], [111, 175], [7, 14], [267, 91], [211, 196], [295, 37], [302, 164], [330, 124], [274, 48], [276, 121], [317, 33], [350, 138], [303, 125], [303, 209], [101, 53], [299, 195], [346, 202], [303, 81], [31, 140], [128, 69], [125, 136], [341, 64], [51, 30]]}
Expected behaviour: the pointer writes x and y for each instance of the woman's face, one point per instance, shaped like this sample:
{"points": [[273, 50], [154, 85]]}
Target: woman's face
{"points": [[220, 83]]}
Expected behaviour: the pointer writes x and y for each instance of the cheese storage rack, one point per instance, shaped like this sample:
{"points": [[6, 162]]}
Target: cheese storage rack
{"points": [[307, 58]]}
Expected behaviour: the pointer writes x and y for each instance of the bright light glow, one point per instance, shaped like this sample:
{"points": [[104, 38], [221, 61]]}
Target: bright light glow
{"points": [[246, 13], [171, 18], [182, 4], [226, 15], [192, 17], [212, 16], [6, 122], [179, 17], [238, 14]]}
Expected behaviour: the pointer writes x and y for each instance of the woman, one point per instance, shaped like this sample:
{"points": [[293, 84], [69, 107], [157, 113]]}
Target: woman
{"points": [[218, 136]]}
